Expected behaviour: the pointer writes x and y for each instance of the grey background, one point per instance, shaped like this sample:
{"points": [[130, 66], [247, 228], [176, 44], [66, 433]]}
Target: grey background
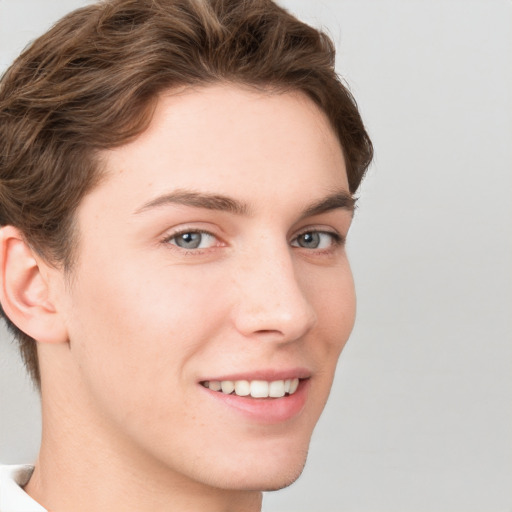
{"points": [[420, 417]]}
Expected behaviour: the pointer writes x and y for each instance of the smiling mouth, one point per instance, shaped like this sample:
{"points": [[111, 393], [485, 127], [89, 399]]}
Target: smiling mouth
{"points": [[254, 388]]}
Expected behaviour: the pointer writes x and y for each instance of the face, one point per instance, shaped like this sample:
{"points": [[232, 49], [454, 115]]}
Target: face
{"points": [[210, 258]]}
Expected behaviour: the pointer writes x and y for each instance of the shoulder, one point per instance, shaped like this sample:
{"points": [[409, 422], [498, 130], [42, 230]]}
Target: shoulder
{"points": [[12, 496]]}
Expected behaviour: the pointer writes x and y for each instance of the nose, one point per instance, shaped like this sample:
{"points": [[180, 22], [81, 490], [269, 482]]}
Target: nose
{"points": [[270, 302]]}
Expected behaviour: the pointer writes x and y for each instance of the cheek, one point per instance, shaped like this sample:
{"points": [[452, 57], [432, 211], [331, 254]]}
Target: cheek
{"points": [[134, 326], [335, 304], [334, 298], [340, 307], [134, 338]]}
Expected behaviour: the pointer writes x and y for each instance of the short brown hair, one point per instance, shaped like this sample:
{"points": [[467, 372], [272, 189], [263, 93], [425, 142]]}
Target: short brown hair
{"points": [[92, 81]]}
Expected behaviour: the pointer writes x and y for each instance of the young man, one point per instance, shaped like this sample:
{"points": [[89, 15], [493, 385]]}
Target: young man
{"points": [[176, 186]]}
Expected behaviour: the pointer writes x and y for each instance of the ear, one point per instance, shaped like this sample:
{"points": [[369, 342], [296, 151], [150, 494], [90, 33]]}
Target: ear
{"points": [[24, 289]]}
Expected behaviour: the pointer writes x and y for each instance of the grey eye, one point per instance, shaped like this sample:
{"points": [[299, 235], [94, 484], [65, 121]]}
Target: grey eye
{"points": [[316, 240], [193, 240], [309, 240], [188, 240]]}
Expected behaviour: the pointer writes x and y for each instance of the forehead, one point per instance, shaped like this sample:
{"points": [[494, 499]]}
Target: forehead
{"points": [[229, 140]]}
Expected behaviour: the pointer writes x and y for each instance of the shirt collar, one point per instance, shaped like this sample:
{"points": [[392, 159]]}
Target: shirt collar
{"points": [[12, 496]]}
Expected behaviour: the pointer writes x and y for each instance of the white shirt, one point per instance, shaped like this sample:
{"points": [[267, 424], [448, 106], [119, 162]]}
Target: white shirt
{"points": [[12, 497]]}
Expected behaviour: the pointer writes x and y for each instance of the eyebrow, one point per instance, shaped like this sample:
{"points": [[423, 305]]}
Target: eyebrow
{"points": [[338, 200], [198, 200]]}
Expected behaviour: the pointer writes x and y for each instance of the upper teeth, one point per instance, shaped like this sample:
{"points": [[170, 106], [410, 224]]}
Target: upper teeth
{"points": [[254, 388]]}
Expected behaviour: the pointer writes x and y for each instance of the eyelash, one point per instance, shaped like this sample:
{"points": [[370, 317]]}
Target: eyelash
{"points": [[337, 240]]}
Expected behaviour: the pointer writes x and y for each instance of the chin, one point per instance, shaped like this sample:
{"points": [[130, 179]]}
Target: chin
{"points": [[284, 480], [270, 475]]}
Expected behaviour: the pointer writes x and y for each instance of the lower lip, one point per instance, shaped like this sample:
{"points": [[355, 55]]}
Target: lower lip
{"points": [[266, 410]]}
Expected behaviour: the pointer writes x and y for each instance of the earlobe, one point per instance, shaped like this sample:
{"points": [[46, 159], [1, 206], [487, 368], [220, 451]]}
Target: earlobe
{"points": [[24, 290]]}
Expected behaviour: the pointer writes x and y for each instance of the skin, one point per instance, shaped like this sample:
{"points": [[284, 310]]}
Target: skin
{"points": [[126, 423]]}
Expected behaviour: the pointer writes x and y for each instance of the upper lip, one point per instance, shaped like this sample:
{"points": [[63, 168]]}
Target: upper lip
{"points": [[269, 374]]}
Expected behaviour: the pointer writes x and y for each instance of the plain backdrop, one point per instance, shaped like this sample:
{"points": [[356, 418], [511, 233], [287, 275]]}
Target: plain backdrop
{"points": [[420, 416]]}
